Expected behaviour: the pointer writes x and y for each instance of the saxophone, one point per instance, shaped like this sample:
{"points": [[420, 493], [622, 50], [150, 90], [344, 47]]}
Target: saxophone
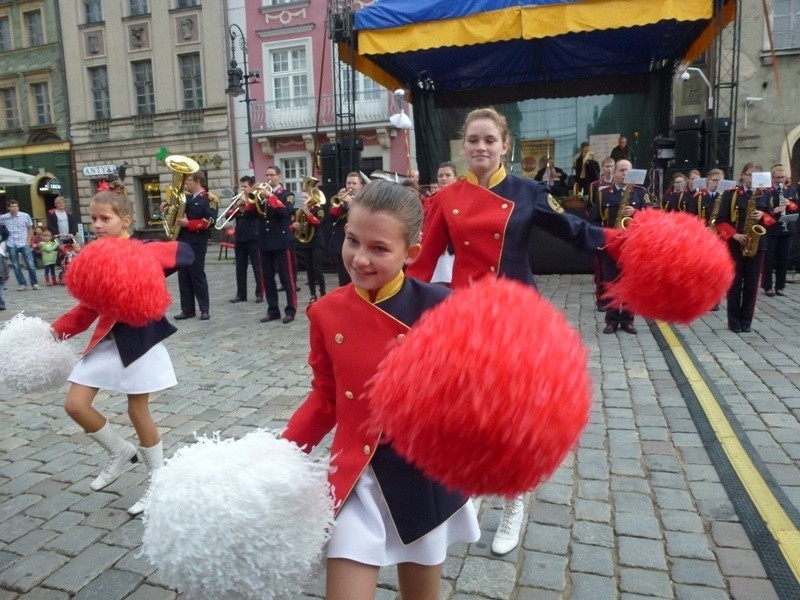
{"points": [[622, 222], [712, 221], [752, 229]]}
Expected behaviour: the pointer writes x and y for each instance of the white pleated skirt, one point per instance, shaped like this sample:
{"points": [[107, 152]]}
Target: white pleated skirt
{"points": [[364, 531], [102, 368], [443, 273]]}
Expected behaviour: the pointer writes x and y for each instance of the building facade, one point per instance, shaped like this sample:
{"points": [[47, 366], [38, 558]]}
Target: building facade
{"points": [[34, 121], [146, 80], [294, 101]]}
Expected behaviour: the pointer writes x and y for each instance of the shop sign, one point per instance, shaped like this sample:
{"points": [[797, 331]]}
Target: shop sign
{"points": [[100, 171]]}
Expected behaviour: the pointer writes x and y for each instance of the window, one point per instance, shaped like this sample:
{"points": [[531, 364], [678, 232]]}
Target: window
{"points": [[33, 25], [5, 34], [192, 81], [786, 24], [278, 2], [293, 170], [40, 95], [98, 79], [187, 3], [10, 111], [94, 12], [289, 77], [143, 83], [139, 7]]}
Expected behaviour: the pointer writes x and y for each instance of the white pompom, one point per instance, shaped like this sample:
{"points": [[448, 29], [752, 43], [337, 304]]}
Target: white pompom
{"points": [[244, 519], [33, 361]]}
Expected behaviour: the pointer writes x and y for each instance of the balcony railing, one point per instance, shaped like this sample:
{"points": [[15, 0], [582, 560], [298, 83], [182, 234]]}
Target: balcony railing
{"points": [[371, 108]]}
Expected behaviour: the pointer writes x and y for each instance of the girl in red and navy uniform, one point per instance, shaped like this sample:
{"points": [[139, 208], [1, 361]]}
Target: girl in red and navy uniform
{"points": [[387, 511], [120, 357]]}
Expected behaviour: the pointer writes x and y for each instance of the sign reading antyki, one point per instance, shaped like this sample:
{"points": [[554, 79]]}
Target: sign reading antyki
{"points": [[100, 171]]}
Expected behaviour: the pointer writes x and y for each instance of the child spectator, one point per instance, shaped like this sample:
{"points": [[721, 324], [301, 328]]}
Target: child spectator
{"points": [[48, 250]]}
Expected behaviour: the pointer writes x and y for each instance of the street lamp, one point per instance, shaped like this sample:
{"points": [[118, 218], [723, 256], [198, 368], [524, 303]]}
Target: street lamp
{"points": [[687, 75], [239, 81]]}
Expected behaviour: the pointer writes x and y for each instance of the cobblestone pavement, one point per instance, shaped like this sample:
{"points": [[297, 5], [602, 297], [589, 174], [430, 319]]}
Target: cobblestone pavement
{"points": [[637, 511]]}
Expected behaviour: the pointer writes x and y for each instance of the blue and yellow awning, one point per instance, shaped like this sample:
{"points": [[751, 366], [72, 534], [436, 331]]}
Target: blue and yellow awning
{"points": [[522, 46]]}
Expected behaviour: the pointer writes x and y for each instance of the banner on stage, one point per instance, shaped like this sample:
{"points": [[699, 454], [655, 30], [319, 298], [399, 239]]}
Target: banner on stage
{"points": [[602, 145], [534, 153]]}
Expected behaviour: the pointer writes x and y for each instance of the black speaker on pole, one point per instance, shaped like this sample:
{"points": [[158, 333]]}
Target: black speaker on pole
{"points": [[350, 155], [688, 146], [329, 166], [717, 155]]}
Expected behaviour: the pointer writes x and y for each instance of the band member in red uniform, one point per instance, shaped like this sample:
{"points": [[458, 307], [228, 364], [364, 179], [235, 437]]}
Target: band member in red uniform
{"points": [[593, 197], [674, 198], [488, 217], [195, 223], [705, 199], [607, 213], [308, 236], [741, 206], [783, 201], [274, 242], [387, 511]]}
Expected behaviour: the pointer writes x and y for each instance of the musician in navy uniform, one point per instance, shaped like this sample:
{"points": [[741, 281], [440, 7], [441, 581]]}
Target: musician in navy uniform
{"points": [[730, 225], [592, 198], [606, 213], [275, 243], [248, 222], [676, 196], [704, 199], [783, 201], [338, 218], [199, 215]]}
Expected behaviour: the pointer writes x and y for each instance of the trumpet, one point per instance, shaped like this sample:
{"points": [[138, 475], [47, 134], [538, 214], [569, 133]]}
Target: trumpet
{"points": [[229, 215], [338, 199]]}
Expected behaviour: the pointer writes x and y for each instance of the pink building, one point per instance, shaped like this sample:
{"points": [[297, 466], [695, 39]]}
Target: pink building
{"points": [[293, 102]]}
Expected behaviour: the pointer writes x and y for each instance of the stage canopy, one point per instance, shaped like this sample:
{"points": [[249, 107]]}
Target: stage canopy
{"points": [[484, 51]]}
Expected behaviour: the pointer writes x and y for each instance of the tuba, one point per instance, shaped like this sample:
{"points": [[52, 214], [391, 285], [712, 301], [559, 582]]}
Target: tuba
{"points": [[752, 229], [181, 167], [304, 233]]}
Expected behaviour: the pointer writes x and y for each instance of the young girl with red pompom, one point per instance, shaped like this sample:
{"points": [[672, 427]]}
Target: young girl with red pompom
{"points": [[121, 357], [387, 511]]}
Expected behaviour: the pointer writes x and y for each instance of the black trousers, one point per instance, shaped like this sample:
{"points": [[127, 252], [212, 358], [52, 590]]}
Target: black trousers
{"points": [[247, 252], [279, 262], [313, 259], [344, 276], [744, 289], [776, 257], [615, 315], [192, 281]]}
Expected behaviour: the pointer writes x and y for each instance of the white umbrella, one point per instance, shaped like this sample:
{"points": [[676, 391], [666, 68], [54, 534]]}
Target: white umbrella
{"points": [[11, 177]]}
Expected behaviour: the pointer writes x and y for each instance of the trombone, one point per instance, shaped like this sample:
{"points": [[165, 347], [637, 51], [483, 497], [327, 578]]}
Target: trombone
{"points": [[230, 215]]}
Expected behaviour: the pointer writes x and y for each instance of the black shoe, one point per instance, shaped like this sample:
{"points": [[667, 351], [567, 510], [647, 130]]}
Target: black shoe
{"points": [[269, 318], [237, 299], [628, 328], [745, 329], [601, 307], [204, 316], [184, 315], [610, 329], [3, 307], [779, 293], [288, 318], [770, 293], [312, 299], [735, 329], [259, 300], [715, 308]]}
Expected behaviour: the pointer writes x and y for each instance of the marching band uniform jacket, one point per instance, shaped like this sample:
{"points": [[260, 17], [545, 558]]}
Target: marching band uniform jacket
{"points": [[132, 342], [490, 229], [338, 218], [277, 233], [201, 216], [782, 229], [594, 192], [673, 201], [702, 204], [733, 211], [349, 337], [248, 222], [605, 211]]}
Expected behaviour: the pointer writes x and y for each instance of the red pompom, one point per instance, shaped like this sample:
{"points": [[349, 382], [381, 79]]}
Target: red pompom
{"points": [[672, 267], [116, 278], [488, 392]]}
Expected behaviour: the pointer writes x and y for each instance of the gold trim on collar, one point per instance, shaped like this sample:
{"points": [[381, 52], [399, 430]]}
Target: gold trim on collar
{"points": [[386, 292], [496, 178]]}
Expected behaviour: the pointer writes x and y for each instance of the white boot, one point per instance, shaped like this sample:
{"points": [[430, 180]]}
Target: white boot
{"points": [[119, 451], [508, 532], [153, 458]]}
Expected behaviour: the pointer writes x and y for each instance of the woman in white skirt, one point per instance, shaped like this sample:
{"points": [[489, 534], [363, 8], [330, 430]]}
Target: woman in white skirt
{"points": [[387, 511], [120, 357]]}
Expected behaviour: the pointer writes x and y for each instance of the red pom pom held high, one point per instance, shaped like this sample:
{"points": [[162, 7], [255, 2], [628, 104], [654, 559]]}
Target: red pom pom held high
{"points": [[672, 267], [116, 278], [489, 391]]}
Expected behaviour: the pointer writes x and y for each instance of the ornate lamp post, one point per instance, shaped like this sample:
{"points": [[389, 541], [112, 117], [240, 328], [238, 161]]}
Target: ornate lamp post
{"points": [[239, 81]]}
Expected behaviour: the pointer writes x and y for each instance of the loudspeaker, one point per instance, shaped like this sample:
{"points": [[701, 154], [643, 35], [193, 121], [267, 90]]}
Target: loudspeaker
{"points": [[687, 149], [350, 155], [723, 125], [721, 159], [329, 165], [687, 122]]}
